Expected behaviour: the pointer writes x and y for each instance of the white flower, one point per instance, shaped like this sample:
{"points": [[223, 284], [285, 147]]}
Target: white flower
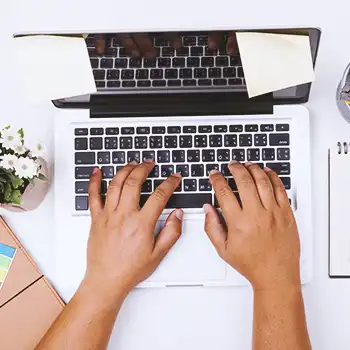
{"points": [[26, 168], [10, 138], [8, 161], [38, 150], [19, 149]]}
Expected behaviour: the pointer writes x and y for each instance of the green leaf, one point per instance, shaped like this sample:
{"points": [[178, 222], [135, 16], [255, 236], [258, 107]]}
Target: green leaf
{"points": [[16, 182], [8, 192], [21, 132], [16, 197], [42, 177], [7, 127]]}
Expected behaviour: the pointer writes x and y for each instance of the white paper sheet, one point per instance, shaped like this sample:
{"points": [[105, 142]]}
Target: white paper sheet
{"points": [[274, 61], [52, 67]]}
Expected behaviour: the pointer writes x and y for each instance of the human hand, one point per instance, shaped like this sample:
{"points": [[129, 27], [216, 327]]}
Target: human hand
{"points": [[215, 39], [122, 249], [260, 239]]}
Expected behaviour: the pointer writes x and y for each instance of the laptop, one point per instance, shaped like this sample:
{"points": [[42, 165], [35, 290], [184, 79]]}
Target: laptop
{"points": [[189, 110]]}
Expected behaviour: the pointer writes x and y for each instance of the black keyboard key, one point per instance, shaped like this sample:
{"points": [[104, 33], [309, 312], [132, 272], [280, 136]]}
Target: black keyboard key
{"points": [[81, 203], [185, 141], [96, 131], [171, 73], [202, 40], [118, 157], [193, 62], [225, 170], [196, 51], [251, 128], [261, 165], [140, 142], [160, 41], [156, 142], [157, 183], [185, 73], [204, 82], [215, 72], [158, 130], [120, 63], [245, 140], [235, 81], [266, 127], [253, 154], [128, 130], [179, 156], [200, 73], [236, 128], [147, 186], [81, 132], [107, 172], [207, 61], [143, 199], [204, 129], [127, 74], [150, 62], [135, 62], [168, 51], [193, 156], [163, 156], [282, 127], [174, 83], [211, 167], [81, 143], [190, 185], [200, 141], [112, 131], [182, 51], [113, 84], [240, 72], [286, 182], [189, 82], [83, 173], [144, 83], [92, 52], [183, 169], [81, 187], [210, 52], [189, 129], [215, 140], [84, 158], [118, 167], [133, 156], [189, 41], [229, 72], [142, 74], [94, 63], [148, 155], [111, 143], [208, 155], [220, 82], [230, 140], [179, 62], [279, 168], [187, 201], [268, 154], [128, 84], [96, 143], [112, 52], [166, 170], [238, 155], [164, 62], [143, 130], [221, 61], [260, 140], [220, 128], [235, 61], [283, 153], [223, 155], [103, 157], [123, 52], [170, 141], [216, 203], [99, 74], [125, 143], [197, 170], [279, 139], [204, 185], [159, 83], [154, 173], [231, 182], [107, 63]]}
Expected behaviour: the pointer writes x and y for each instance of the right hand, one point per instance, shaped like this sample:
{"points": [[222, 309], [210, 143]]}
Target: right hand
{"points": [[260, 239]]}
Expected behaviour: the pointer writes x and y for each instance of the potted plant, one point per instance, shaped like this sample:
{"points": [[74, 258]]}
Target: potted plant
{"points": [[24, 179]]}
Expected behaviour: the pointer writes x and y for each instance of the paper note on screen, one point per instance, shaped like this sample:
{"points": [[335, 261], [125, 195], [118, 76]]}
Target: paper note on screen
{"points": [[52, 67], [273, 62]]}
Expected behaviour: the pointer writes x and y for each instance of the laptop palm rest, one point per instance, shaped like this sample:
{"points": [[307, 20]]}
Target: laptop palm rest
{"points": [[193, 259]]}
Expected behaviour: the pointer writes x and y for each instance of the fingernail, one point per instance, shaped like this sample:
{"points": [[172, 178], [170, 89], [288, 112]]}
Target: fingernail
{"points": [[247, 164], [206, 208], [134, 162], [179, 214], [213, 172], [148, 160], [267, 169], [233, 162], [177, 175], [95, 171]]}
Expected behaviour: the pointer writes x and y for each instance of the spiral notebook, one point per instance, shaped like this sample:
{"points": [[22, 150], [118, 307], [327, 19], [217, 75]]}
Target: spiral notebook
{"points": [[339, 214]]}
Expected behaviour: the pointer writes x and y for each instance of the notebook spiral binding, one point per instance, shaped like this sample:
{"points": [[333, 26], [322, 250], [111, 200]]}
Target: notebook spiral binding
{"points": [[343, 147]]}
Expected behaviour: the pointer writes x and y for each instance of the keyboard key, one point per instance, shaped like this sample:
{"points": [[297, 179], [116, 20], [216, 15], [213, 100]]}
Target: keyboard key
{"points": [[163, 156], [128, 83], [210, 52], [200, 73], [235, 61], [164, 62], [182, 51], [235, 81], [170, 141], [238, 155], [179, 156], [268, 154], [229, 72], [81, 187], [107, 172], [223, 155], [286, 182], [140, 142], [266, 127], [204, 129], [81, 132], [135, 62], [220, 82], [81, 203], [179, 62], [208, 155], [147, 186], [279, 168], [158, 130], [189, 82], [168, 51], [92, 52], [197, 170], [125, 143], [142, 74], [196, 51], [185, 73], [225, 170], [171, 73], [156, 142], [150, 62], [95, 143], [200, 141], [160, 41], [96, 131], [251, 128], [123, 52], [157, 183], [128, 131], [118, 167], [260, 140], [174, 129], [159, 83], [216, 203], [204, 82], [232, 183], [203, 40], [283, 153], [207, 61], [253, 154], [279, 139], [83, 173], [189, 41], [94, 63], [84, 158], [143, 130], [113, 84], [118, 157], [236, 128], [112, 131], [166, 170], [103, 157], [120, 63], [215, 140], [190, 185], [185, 141], [99, 74], [240, 72], [107, 63], [215, 72], [127, 74], [193, 62], [211, 167], [204, 185], [221, 61], [187, 201], [230, 140], [111, 143], [245, 140], [220, 128], [113, 74], [81, 143], [189, 129], [144, 83], [174, 83], [193, 156], [154, 173], [282, 127], [133, 156], [183, 169], [148, 155]]}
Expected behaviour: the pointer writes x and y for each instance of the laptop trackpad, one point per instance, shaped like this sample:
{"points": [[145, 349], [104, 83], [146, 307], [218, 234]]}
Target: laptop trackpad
{"points": [[192, 260]]}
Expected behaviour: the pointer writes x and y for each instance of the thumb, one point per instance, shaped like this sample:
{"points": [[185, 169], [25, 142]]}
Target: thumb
{"points": [[214, 228], [169, 235]]}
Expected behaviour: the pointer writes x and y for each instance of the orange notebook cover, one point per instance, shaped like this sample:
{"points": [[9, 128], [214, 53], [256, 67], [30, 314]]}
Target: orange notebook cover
{"points": [[28, 304]]}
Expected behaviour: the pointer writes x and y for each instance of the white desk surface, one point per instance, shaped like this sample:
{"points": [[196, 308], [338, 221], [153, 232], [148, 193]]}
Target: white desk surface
{"points": [[191, 318]]}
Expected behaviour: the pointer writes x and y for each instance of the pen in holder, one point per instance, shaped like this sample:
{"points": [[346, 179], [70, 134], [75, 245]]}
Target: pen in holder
{"points": [[343, 95]]}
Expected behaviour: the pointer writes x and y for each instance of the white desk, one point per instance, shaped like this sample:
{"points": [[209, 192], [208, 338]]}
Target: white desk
{"points": [[192, 318]]}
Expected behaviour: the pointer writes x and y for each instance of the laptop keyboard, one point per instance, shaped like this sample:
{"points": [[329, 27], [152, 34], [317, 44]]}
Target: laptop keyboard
{"points": [[192, 150], [193, 65]]}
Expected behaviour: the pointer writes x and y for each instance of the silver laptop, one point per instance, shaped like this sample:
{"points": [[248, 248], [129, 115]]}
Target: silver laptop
{"points": [[188, 109]]}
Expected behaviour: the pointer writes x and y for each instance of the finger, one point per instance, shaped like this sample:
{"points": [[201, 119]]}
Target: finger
{"points": [[156, 203], [231, 46], [131, 192], [174, 39], [226, 198], [278, 188], [263, 184], [100, 44], [95, 202], [245, 184], [214, 40], [145, 45], [116, 186], [214, 229], [129, 44], [169, 235]]}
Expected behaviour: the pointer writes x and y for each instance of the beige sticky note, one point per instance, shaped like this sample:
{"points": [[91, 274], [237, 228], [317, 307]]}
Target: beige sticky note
{"points": [[52, 67], [274, 61]]}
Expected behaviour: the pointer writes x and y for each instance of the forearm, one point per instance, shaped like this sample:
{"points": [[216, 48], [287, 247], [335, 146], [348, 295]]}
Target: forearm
{"points": [[279, 320], [86, 322]]}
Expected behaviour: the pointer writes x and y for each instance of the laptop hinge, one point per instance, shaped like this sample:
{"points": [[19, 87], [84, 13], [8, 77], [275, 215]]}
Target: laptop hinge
{"points": [[182, 104]]}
